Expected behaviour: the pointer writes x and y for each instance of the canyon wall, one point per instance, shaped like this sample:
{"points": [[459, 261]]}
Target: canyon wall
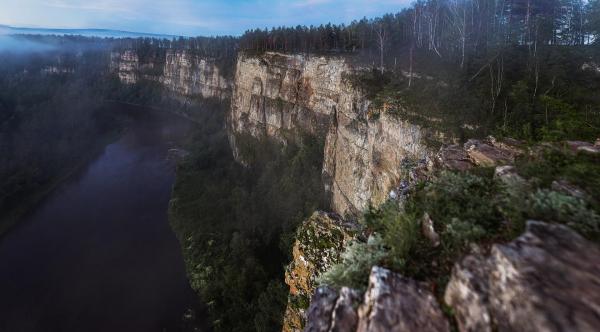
{"points": [[181, 72], [126, 66], [187, 74], [276, 94]]}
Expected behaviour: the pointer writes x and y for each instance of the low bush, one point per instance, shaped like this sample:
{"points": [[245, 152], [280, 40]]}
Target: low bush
{"points": [[357, 260], [554, 206]]}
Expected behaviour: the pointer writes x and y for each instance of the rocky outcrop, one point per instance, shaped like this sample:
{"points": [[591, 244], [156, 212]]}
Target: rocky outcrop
{"points": [[364, 159], [333, 311], [455, 158], [319, 243], [488, 152], [592, 67], [57, 70], [391, 303], [126, 65], [395, 303], [546, 280], [579, 146], [275, 94], [191, 75], [180, 72]]}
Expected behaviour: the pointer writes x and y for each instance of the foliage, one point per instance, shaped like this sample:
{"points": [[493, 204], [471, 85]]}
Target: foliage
{"points": [[462, 205], [234, 222], [460, 30], [471, 207], [50, 123], [580, 169], [554, 206], [463, 69], [399, 231], [357, 260], [566, 123]]}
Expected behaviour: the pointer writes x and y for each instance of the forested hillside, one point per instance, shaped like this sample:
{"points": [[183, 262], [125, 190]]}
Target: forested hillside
{"points": [[524, 68]]}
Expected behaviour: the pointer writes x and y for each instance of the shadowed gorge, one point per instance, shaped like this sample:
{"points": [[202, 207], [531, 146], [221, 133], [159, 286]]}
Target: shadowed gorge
{"points": [[432, 169]]}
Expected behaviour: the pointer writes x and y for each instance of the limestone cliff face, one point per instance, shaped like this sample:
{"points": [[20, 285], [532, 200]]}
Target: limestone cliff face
{"points": [[275, 94], [125, 65], [364, 158], [180, 72], [319, 241], [189, 75]]}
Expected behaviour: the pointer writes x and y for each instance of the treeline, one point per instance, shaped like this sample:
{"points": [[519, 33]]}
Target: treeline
{"points": [[452, 29], [210, 47], [502, 67]]}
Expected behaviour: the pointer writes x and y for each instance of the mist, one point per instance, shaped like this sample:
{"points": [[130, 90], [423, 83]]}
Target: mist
{"points": [[20, 45]]}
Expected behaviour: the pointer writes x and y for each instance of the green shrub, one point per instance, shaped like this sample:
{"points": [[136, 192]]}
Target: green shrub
{"points": [[582, 170], [460, 232], [357, 260], [229, 220], [399, 230], [554, 206], [468, 198]]}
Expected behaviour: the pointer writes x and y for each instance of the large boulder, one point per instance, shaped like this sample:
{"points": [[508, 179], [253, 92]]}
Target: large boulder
{"points": [[580, 146], [546, 280], [333, 311], [391, 303], [488, 154], [394, 303], [319, 242], [455, 158]]}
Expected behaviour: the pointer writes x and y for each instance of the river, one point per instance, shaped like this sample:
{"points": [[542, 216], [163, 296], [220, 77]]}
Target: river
{"points": [[98, 253]]}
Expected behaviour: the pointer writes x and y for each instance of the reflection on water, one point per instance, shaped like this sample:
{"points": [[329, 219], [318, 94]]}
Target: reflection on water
{"points": [[98, 254]]}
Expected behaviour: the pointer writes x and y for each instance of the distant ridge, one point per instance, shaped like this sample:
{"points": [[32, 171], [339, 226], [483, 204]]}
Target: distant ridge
{"points": [[103, 33]]}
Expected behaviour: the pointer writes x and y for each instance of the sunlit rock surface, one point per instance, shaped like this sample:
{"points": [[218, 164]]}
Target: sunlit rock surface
{"points": [[319, 243], [181, 72], [391, 303], [276, 95], [125, 64], [188, 74], [546, 280]]}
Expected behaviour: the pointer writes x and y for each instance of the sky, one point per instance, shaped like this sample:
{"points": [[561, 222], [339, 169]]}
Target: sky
{"points": [[188, 17]]}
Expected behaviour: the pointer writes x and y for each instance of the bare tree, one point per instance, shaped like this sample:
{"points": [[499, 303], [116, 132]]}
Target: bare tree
{"points": [[458, 9], [496, 80], [381, 41]]}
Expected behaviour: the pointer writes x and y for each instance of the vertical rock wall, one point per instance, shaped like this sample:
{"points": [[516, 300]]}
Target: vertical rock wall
{"points": [[188, 75], [275, 94], [125, 65], [181, 72]]}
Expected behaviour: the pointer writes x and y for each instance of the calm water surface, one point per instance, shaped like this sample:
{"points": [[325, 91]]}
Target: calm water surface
{"points": [[98, 254]]}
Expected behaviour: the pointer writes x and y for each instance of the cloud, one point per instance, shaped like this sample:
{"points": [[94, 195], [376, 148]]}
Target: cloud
{"points": [[310, 3], [101, 6], [189, 17]]}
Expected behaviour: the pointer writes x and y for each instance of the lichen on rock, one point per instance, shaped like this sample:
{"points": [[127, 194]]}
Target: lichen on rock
{"points": [[546, 280], [391, 303], [319, 243]]}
